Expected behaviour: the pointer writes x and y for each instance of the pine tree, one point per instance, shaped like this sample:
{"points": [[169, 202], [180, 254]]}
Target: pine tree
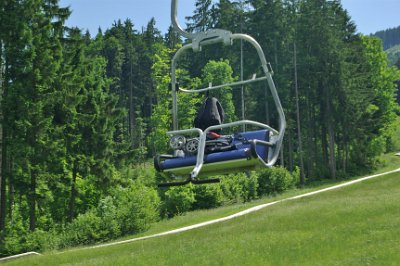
{"points": [[202, 17], [172, 39], [33, 73]]}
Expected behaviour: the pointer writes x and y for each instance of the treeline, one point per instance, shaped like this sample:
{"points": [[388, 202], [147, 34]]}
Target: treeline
{"points": [[390, 37], [79, 112]]}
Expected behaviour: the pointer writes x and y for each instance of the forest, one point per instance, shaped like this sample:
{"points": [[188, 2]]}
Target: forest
{"points": [[390, 37], [391, 43], [82, 116]]}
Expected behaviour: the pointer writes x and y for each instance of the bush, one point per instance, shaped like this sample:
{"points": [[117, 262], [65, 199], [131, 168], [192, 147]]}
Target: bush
{"points": [[240, 187], [85, 229], [107, 210], [131, 210], [14, 241], [275, 180], [178, 200], [40, 240], [137, 208], [208, 196]]}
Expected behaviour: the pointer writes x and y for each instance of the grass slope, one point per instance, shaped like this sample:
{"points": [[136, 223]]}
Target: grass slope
{"points": [[355, 225]]}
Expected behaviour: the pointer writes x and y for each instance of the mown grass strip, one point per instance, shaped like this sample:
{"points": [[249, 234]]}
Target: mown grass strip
{"points": [[241, 213]]}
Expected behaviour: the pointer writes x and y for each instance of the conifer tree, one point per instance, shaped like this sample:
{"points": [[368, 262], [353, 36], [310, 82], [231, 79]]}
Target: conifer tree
{"points": [[202, 17], [172, 39], [34, 74]]}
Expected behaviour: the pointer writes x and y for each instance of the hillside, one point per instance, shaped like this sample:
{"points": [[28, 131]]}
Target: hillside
{"points": [[393, 54], [390, 37], [355, 225], [391, 43]]}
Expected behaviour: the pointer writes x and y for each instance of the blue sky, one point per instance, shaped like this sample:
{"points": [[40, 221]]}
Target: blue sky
{"points": [[369, 15]]}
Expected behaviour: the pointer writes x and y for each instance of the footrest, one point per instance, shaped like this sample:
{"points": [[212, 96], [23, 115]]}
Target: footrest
{"points": [[190, 180], [206, 181]]}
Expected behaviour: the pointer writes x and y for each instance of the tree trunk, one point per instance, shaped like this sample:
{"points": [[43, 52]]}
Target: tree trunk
{"points": [[10, 189], [324, 147], [131, 107], [339, 153], [74, 192], [299, 136], [329, 134], [346, 157], [311, 155], [282, 159], [3, 179], [332, 159], [32, 201], [266, 107], [3, 135], [290, 140]]}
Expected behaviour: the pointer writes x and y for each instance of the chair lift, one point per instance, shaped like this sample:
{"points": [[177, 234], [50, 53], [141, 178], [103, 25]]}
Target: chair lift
{"points": [[192, 157]]}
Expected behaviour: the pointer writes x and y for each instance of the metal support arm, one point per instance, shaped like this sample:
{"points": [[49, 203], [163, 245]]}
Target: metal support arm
{"points": [[175, 23]]}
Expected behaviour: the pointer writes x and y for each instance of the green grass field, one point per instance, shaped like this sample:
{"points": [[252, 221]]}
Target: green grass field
{"points": [[355, 225]]}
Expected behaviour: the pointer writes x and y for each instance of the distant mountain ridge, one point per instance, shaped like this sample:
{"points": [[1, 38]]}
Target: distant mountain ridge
{"points": [[390, 37]]}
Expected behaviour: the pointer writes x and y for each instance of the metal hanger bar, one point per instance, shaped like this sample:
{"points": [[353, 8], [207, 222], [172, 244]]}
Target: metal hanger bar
{"points": [[174, 19]]}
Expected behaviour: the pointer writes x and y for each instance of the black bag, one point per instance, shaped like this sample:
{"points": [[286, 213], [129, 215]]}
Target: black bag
{"points": [[210, 114]]}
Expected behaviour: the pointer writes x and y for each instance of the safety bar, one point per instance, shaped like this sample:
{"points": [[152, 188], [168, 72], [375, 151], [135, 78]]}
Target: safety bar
{"points": [[203, 138], [233, 84], [185, 131]]}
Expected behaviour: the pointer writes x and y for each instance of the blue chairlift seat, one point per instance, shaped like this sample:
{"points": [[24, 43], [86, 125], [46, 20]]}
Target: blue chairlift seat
{"points": [[245, 155]]}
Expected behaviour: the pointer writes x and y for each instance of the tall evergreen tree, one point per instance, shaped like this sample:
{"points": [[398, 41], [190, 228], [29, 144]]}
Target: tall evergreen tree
{"points": [[33, 72], [202, 18], [172, 38]]}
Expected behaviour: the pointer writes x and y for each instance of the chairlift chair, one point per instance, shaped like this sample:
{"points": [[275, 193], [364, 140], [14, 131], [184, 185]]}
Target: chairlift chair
{"points": [[249, 150]]}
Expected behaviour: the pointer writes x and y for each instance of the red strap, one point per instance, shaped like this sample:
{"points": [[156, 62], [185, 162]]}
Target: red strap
{"points": [[213, 135]]}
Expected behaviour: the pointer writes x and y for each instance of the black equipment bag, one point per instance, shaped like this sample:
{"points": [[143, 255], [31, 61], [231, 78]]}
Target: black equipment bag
{"points": [[210, 114]]}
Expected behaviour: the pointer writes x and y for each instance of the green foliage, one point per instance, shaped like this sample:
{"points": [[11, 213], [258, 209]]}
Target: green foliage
{"points": [[85, 229], [393, 54], [161, 119], [15, 239], [395, 139], [130, 210], [41, 240], [276, 180], [178, 200], [390, 37], [108, 211], [207, 197], [137, 208], [217, 73], [381, 112], [19, 240], [240, 187]]}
